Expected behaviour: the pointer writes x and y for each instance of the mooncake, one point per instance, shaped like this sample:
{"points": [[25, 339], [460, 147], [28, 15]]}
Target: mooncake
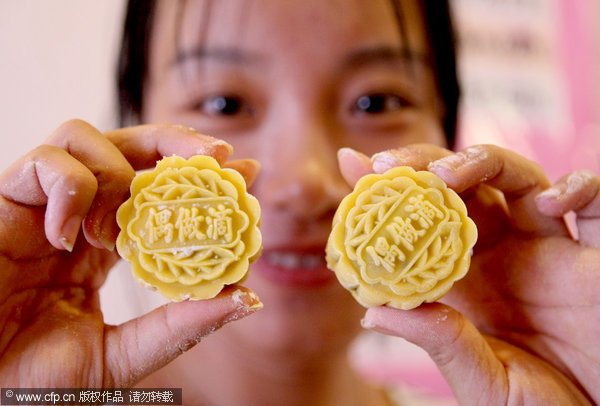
{"points": [[400, 239], [189, 228]]}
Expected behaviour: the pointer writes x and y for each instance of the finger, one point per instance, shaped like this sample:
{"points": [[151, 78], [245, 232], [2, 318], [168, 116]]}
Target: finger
{"points": [[417, 156], [111, 169], [463, 356], [140, 346], [248, 168], [519, 179], [145, 144], [48, 175], [353, 165], [578, 192]]}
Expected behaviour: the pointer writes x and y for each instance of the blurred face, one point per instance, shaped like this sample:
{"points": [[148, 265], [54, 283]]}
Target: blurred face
{"points": [[289, 83]]}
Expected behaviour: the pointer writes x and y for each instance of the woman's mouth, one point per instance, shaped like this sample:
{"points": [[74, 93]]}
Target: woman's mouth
{"points": [[306, 268]]}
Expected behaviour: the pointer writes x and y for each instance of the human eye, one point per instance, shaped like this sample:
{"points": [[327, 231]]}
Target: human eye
{"points": [[379, 103], [224, 105], [379, 109]]}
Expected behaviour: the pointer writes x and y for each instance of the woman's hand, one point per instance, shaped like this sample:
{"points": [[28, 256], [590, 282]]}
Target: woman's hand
{"points": [[523, 326], [52, 332]]}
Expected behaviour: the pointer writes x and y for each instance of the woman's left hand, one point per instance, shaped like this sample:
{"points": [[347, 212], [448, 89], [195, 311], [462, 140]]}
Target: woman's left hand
{"points": [[523, 326]]}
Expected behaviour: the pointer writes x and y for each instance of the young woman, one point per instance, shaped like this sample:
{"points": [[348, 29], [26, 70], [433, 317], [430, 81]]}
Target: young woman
{"points": [[320, 93]]}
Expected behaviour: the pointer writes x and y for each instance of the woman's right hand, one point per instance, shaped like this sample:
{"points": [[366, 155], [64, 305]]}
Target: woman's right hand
{"points": [[57, 234]]}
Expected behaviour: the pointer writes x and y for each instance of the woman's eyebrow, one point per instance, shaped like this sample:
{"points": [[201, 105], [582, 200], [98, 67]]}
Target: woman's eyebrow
{"points": [[220, 54], [383, 54]]}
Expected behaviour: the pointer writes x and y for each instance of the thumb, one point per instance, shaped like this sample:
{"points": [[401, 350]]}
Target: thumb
{"points": [[141, 346], [462, 354]]}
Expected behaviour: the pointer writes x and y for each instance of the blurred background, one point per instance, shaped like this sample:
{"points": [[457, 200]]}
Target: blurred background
{"points": [[530, 73], [57, 61]]}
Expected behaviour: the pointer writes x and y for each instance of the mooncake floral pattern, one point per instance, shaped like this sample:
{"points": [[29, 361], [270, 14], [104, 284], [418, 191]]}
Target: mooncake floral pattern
{"points": [[400, 239], [189, 228]]}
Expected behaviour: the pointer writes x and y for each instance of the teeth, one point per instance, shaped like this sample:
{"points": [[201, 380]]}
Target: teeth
{"points": [[311, 261], [292, 261]]}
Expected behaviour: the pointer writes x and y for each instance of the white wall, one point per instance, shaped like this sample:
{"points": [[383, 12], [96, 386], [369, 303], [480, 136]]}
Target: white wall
{"points": [[57, 61]]}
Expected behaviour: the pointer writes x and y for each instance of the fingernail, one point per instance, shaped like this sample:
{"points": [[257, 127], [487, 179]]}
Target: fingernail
{"points": [[454, 162], [246, 302], [352, 155], [218, 149], [246, 299], [578, 181], [69, 232], [220, 143], [551, 193], [345, 151], [185, 128], [383, 161], [366, 324], [109, 230], [66, 244]]}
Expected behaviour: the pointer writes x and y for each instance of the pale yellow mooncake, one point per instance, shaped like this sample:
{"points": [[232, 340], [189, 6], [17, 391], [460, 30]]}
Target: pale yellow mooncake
{"points": [[400, 239], [189, 228]]}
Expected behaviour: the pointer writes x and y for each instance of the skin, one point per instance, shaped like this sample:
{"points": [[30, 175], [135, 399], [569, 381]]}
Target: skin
{"points": [[522, 327], [290, 352], [53, 333]]}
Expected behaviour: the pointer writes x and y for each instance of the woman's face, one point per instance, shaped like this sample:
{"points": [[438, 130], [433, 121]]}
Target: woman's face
{"points": [[289, 83]]}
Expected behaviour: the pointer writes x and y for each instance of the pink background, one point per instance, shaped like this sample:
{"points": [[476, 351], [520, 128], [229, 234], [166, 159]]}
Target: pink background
{"points": [[561, 132]]}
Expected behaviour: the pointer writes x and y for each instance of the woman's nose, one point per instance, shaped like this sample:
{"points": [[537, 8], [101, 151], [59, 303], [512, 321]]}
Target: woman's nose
{"points": [[300, 175]]}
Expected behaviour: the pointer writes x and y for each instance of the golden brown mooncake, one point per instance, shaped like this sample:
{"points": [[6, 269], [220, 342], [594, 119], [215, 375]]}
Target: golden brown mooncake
{"points": [[189, 228], [400, 239]]}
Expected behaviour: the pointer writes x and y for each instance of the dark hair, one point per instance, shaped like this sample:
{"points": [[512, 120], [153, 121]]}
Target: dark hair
{"points": [[438, 20], [133, 59]]}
